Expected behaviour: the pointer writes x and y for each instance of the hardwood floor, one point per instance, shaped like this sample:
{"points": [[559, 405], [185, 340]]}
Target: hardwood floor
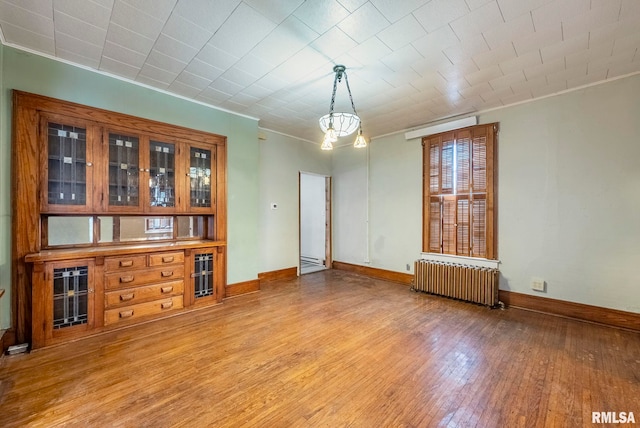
{"points": [[331, 349]]}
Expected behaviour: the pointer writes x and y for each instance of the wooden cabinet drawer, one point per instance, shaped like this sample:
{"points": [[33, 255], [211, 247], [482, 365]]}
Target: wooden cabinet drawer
{"points": [[134, 312], [133, 278], [112, 264], [145, 293], [166, 258]]}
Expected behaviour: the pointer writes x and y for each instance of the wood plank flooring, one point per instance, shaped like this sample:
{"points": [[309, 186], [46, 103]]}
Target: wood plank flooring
{"points": [[331, 349]]}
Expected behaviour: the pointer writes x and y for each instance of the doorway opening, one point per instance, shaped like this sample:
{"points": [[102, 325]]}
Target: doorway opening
{"points": [[315, 222]]}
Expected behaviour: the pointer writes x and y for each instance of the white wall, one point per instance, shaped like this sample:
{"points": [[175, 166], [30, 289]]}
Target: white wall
{"points": [[568, 197], [282, 158], [313, 210]]}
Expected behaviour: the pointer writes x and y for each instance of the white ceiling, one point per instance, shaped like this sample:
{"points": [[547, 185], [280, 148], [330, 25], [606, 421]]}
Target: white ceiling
{"points": [[409, 62]]}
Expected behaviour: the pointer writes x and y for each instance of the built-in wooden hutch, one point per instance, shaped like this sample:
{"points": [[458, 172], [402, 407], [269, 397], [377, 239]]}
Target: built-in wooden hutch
{"points": [[117, 219]]}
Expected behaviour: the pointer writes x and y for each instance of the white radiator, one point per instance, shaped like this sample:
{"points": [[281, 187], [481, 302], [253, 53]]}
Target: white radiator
{"points": [[459, 281]]}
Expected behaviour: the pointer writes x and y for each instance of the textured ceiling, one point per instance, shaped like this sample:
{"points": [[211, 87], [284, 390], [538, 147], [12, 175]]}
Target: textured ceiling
{"points": [[409, 62]]}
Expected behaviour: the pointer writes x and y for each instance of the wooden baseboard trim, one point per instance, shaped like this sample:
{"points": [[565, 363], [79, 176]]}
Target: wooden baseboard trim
{"points": [[388, 275], [239, 288], [287, 273], [595, 314], [7, 338]]}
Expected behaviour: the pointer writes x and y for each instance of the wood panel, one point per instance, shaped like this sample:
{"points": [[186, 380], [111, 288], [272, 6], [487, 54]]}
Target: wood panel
{"points": [[402, 278], [597, 314], [331, 349], [287, 273]]}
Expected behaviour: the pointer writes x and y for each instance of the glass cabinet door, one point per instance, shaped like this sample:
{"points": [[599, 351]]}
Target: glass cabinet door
{"points": [[67, 182], [162, 174], [201, 178], [124, 175]]}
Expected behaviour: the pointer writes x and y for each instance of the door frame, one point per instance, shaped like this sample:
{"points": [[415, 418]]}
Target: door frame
{"points": [[328, 260]]}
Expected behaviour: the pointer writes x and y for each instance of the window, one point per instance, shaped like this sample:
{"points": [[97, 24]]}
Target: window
{"points": [[458, 192]]}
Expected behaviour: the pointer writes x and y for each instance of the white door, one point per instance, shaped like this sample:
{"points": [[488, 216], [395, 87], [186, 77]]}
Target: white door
{"points": [[315, 216]]}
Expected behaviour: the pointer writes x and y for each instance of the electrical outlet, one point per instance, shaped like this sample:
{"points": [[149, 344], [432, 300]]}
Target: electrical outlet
{"points": [[537, 284], [408, 267]]}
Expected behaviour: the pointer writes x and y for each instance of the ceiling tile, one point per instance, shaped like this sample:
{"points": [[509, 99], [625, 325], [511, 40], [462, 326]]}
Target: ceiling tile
{"points": [[203, 69], [165, 62], [39, 7], [477, 21], [333, 43], [74, 57], [541, 38], [79, 29], [474, 4], [179, 28], [352, 5], [394, 10], [553, 13], [129, 39], [544, 69], [183, 89], [521, 62], [255, 27], [253, 65], [507, 81], [239, 77], [162, 75], [287, 39], [438, 13], [192, 80], [514, 8], [78, 47], [159, 9], [370, 51], [398, 59], [118, 68], [401, 33], [216, 57], [153, 83], [27, 20], [207, 14], [520, 26], [587, 80], [86, 11], [277, 11], [567, 74], [124, 15], [550, 89], [123, 55], [320, 15], [363, 23], [564, 48], [175, 48], [28, 39], [466, 49], [599, 50], [498, 55], [483, 75], [590, 20]]}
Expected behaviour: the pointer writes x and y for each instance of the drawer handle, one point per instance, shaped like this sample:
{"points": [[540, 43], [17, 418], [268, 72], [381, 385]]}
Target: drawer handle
{"points": [[126, 263], [125, 279], [167, 289], [167, 259], [127, 297], [166, 273], [167, 305], [126, 314]]}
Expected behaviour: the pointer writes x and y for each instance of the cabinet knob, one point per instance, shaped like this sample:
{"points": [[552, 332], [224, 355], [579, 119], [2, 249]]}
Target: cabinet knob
{"points": [[165, 290], [89, 163], [127, 297], [166, 273], [167, 305], [125, 279], [126, 314]]}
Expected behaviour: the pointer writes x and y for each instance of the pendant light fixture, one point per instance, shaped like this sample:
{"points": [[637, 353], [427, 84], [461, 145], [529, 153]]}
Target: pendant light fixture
{"points": [[340, 124]]}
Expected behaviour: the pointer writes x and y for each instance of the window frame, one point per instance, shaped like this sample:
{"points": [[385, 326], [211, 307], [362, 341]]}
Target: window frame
{"points": [[489, 194]]}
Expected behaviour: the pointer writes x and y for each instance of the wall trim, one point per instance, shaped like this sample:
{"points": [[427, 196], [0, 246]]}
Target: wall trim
{"points": [[287, 273], [579, 311], [239, 288], [399, 277]]}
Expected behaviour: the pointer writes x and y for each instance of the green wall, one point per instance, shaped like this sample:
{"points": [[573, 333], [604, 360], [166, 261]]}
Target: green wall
{"points": [[39, 75]]}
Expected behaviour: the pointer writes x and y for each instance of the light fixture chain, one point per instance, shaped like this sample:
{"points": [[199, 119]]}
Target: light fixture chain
{"points": [[333, 98], [346, 81]]}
